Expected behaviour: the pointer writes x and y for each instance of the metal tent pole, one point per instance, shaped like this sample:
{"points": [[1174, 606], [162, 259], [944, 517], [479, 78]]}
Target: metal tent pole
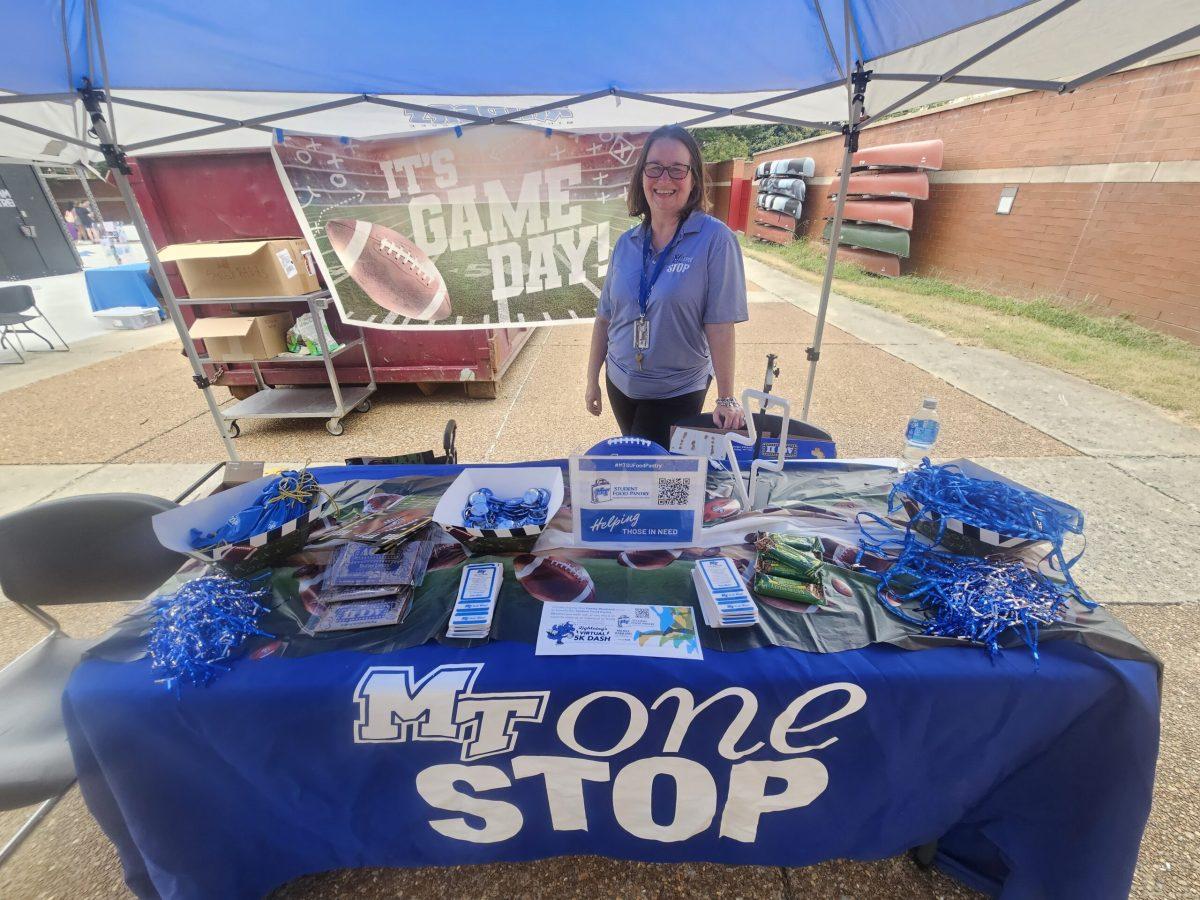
{"points": [[115, 157], [859, 78]]}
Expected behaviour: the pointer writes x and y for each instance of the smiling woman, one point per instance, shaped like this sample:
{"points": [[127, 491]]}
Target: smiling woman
{"points": [[674, 291]]}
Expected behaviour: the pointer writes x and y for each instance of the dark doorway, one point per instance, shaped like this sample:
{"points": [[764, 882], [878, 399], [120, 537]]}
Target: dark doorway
{"points": [[32, 241]]}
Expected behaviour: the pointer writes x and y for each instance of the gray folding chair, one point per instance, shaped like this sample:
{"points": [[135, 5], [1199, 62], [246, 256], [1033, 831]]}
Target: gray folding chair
{"points": [[15, 302], [98, 548]]}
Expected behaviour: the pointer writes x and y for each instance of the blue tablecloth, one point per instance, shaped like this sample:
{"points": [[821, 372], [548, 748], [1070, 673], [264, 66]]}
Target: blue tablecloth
{"points": [[115, 286], [1038, 784], [1036, 780]]}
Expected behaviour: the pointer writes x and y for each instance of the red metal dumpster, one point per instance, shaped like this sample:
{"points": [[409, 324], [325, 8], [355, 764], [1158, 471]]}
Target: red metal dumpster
{"points": [[229, 195]]}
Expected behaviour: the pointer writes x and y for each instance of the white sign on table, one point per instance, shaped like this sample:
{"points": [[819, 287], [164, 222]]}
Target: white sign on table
{"points": [[618, 629], [637, 502]]}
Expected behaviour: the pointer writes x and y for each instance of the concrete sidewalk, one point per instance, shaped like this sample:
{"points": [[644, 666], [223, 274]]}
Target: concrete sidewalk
{"points": [[89, 343], [129, 419]]}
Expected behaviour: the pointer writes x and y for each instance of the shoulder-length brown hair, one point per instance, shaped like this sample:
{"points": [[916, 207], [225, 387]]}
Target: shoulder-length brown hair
{"points": [[698, 199]]}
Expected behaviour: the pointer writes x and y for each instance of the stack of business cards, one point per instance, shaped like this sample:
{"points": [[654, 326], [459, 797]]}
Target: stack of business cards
{"points": [[724, 600], [476, 602]]}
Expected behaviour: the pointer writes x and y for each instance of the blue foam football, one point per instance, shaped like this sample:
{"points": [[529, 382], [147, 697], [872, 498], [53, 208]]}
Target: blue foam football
{"points": [[627, 446]]}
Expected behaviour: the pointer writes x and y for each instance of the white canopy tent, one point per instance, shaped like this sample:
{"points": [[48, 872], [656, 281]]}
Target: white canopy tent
{"points": [[86, 79]]}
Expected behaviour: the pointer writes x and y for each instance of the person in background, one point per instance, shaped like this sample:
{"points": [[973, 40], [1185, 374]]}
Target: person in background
{"points": [[675, 288], [68, 215], [87, 226]]}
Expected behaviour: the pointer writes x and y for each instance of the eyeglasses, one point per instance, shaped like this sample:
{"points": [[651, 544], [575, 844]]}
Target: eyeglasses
{"points": [[677, 172]]}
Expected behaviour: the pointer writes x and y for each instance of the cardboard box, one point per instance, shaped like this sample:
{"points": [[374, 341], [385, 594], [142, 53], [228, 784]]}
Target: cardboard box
{"points": [[241, 338], [276, 267]]}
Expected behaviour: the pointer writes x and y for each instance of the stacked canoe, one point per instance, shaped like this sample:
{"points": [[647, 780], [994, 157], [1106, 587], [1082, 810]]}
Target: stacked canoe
{"points": [[781, 190], [884, 183]]}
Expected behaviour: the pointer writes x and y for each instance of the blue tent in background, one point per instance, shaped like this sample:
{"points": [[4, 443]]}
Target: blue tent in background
{"points": [[84, 79]]}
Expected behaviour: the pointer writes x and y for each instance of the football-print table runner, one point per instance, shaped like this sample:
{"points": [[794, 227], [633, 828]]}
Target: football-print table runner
{"points": [[821, 499]]}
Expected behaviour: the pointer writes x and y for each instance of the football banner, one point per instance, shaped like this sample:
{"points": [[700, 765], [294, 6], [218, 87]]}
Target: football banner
{"points": [[462, 228]]}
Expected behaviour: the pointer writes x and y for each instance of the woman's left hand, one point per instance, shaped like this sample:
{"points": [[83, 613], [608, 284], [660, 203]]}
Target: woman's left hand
{"points": [[728, 417]]}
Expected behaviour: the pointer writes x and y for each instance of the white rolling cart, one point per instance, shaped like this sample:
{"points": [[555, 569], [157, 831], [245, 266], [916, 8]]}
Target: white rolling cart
{"points": [[332, 402]]}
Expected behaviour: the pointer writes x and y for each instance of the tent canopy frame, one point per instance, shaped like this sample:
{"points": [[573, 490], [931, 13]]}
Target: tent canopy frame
{"points": [[851, 69]]}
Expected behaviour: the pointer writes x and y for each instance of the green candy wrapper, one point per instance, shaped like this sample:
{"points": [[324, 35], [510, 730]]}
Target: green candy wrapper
{"points": [[809, 543], [769, 566], [805, 566], [785, 589]]}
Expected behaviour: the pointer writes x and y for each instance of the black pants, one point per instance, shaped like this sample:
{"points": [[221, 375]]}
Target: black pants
{"points": [[652, 419]]}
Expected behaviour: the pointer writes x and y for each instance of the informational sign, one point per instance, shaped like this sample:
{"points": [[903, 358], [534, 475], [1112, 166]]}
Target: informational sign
{"points": [[641, 501], [462, 227], [618, 629]]}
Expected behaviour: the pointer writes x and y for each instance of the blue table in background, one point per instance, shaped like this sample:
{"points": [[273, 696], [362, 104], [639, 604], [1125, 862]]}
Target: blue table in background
{"points": [[115, 286]]}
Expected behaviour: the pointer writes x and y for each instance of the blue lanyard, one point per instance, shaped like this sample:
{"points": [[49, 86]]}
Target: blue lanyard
{"points": [[648, 285]]}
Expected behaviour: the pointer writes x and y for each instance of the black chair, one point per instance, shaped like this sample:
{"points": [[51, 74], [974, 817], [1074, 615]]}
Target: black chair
{"points": [[15, 302], [98, 548]]}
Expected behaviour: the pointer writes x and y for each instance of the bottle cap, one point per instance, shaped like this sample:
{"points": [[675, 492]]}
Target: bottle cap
{"points": [[930, 403]]}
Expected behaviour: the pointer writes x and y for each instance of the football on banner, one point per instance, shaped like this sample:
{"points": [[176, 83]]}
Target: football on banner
{"points": [[647, 559], [554, 580], [393, 271]]}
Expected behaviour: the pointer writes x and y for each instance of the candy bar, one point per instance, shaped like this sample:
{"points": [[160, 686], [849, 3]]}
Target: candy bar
{"points": [[809, 574], [785, 589]]}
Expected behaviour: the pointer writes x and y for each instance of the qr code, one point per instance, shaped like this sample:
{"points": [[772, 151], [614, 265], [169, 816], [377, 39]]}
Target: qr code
{"points": [[673, 491]]}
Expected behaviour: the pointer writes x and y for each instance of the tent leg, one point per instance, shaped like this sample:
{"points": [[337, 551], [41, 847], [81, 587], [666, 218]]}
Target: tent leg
{"points": [[119, 168], [164, 286], [851, 145]]}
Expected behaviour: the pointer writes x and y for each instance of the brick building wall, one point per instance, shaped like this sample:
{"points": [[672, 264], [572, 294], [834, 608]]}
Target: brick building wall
{"points": [[1108, 202], [728, 189]]}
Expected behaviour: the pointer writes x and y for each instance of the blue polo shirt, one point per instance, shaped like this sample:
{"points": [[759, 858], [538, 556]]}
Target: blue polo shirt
{"points": [[703, 283]]}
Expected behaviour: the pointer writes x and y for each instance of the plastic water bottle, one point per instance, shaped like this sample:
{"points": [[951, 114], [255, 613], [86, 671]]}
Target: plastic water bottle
{"points": [[922, 431]]}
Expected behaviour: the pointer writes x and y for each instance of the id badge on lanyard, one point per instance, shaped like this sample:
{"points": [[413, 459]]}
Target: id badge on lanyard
{"points": [[641, 336], [641, 325]]}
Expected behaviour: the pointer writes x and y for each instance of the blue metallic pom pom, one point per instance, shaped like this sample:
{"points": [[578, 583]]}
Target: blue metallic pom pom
{"points": [[201, 625]]}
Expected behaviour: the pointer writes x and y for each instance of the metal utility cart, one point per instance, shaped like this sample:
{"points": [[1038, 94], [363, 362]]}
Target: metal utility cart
{"points": [[332, 403]]}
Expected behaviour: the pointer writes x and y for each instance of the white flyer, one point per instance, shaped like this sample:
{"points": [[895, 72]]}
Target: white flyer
{"points": [[618, 629]]}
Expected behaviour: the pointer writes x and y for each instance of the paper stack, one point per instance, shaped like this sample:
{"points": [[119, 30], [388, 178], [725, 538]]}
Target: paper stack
{"points": [[476, 601], [366, 587], [724, 600], [370, 613]]}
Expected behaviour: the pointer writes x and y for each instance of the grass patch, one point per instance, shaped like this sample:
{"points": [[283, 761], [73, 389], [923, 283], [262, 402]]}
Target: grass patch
{"points": [[1111, 351]]}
